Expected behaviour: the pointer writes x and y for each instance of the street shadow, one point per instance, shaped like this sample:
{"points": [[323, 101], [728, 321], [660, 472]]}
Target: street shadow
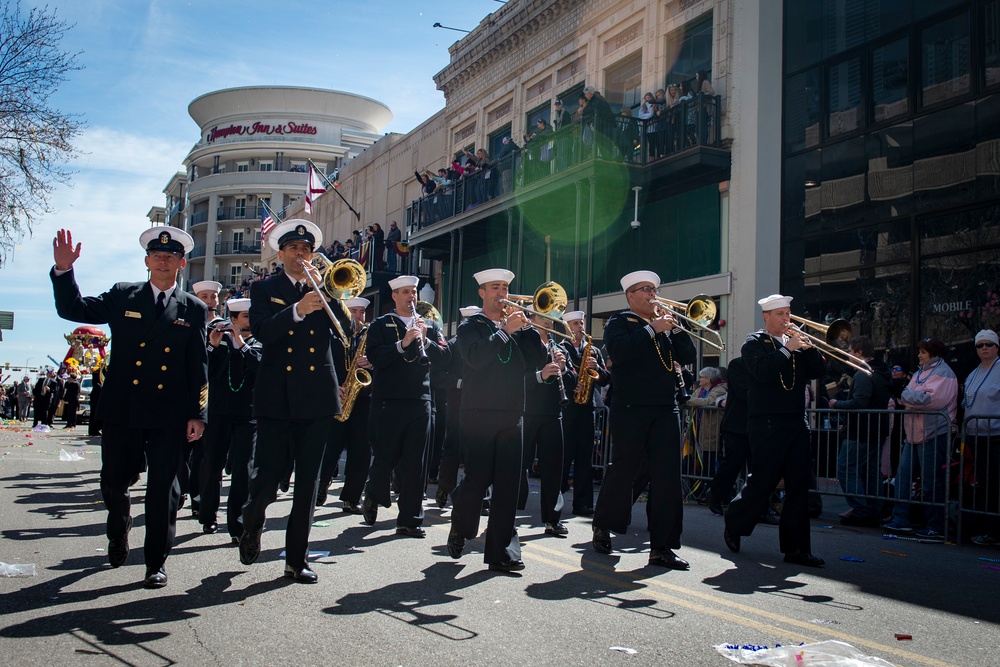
{"points": [[406, 601], [598, 583]]}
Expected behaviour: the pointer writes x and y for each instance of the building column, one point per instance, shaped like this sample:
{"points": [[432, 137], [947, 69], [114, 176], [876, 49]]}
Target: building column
{"points": [[755, 192], [211, 236]]}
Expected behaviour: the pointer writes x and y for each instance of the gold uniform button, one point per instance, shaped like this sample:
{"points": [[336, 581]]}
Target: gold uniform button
{"points": [[312, 349], [312, 368], [167, 350], [311, 332], [159, 386], [289, 350], [135, 382], [288, 368], [291, 333], [142, 345], [163, 368], [138, 363]]}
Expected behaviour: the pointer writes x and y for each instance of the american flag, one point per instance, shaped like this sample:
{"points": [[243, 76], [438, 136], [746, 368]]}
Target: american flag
{"points": [[266, 223]]}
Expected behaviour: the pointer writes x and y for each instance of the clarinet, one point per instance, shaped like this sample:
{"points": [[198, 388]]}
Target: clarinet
{"points": [[422, 350], [563, 398]]}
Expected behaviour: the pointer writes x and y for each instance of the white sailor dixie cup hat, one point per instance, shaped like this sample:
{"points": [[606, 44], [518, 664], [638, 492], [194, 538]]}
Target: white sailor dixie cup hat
{"points": [[469, 311], [774, 301], [403, 281], [573, 315], [238, 305], [493, 275], [295, 229], [164, 238], [206, 285], [358, 302], [636, 277]]}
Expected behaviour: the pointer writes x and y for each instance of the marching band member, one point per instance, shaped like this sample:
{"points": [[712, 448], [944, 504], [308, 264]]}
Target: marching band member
{"points": [[497, 350], [451, 451], [154, 394], [578, 418], [233, 361], [401, 347], [350, 435], [296, 394], [544, 391], [644, 344], [779, 363]]}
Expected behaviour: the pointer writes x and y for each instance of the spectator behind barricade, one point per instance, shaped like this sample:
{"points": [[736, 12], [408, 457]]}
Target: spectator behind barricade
{"points": [[349, 250], [392, 238], [628, 136], [933, 388], [538, 145], [982, 437], [378, 246], [860, 452], [560, 117], [597, 115], [710, 393], [702, 84], [505, 158], [670, 98]]}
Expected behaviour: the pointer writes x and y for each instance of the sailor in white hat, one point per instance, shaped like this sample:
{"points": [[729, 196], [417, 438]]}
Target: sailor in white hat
{"points": [[208, 292], [497, 353], [646, 348], [402, 347], [780, 363], [156, 399], [578, 418]]}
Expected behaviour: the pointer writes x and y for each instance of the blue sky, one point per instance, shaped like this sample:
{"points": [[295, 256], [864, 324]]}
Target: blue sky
{"points": [[145, 61]]}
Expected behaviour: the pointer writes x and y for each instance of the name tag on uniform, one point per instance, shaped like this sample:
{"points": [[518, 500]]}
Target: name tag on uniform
{"points": [[278, 301], [132, 313], [632, 319]]}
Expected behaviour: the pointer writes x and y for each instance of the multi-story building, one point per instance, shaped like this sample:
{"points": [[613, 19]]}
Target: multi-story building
{"points": [[253, 153]]}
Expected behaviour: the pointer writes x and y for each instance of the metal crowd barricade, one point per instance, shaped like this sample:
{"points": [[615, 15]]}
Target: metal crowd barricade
{"points": [[979, 476], [701, 448]]}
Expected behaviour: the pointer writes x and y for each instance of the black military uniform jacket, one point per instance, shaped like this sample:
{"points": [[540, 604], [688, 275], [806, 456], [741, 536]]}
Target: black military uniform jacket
{"points": [[495, 364], [641, 369], [399, 375], [574, 358], [158, 375], [734, 419], [297, 379], [777, 377], [232, 374], [541, 397]]}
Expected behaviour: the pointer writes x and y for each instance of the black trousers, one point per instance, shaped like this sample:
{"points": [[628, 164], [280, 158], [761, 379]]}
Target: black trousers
{"points": [[42, 410], [647, 440], [779, 448], [400, 433], [543, 437], [735, 456], [69, 412], [189, 475], [579, 452], [124, 452], [280, 445], [352, 436], [228, 442], [439, 422], [491, 448], [451, 450]]}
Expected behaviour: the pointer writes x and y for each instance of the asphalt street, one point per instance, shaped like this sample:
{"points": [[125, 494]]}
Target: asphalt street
{"points": [[388, 600]]}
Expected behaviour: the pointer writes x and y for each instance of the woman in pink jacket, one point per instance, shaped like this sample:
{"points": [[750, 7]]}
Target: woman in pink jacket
{"points": [[932, 390]]}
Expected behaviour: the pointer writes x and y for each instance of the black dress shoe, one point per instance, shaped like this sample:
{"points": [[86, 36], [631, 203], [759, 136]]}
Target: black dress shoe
{"points": [[250, 546], [507, 566], [441, 498], [667, 558], [802, 558], [234, 541], [118, 547], [210, 528], [456, 544], [713, 503], [557, 529], [732, 540], [303, 574], [194, 512], [369, 510], [352, 508], [180, 503], [583, 511], [321, 497], [155, 578], [602, 540], [411, 531], [485, 511]]}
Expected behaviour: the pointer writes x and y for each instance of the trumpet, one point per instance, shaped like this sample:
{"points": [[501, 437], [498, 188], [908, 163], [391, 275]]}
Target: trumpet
{"points": [[832, 332], [549, 301], [342, 280], [699, 312]]}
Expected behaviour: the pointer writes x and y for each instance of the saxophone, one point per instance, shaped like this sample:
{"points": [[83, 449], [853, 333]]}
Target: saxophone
{"points": [[585, 381], [357, 378]]}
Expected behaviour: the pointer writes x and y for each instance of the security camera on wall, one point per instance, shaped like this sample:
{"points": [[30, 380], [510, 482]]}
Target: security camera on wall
{"points": [[636, 224]]}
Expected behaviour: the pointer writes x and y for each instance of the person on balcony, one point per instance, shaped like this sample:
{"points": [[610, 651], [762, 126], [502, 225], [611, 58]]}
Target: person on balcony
{"points": [[394, 237]]}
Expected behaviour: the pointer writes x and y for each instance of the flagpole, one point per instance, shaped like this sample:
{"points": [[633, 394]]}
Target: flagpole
{"points": [[330, 183], [270, 211]]}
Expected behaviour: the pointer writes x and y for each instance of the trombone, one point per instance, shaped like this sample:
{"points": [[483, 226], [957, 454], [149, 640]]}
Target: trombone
{"points": [[833, 332], [699, 312], [549, 301], [342, 280]]}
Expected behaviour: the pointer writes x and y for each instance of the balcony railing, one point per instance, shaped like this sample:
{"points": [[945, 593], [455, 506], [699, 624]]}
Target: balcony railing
{"points": [[639, 141], [236, 248], [197, 251], [238, 213], [199, 217]]}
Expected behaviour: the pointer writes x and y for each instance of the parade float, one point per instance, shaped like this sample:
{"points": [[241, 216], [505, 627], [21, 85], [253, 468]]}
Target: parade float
{"points": [[87, 349]]}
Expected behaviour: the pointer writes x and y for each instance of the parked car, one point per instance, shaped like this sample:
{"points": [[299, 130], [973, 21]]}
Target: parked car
{"points": [[83, 412]]}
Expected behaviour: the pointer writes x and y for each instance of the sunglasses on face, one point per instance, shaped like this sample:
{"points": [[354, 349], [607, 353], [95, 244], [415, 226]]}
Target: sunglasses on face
{"points": [[980, 346]]}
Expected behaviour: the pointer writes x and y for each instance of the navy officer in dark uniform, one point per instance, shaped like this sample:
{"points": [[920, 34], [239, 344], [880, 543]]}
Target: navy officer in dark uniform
{"points": [[644, 342], [296, 394], [497, 348], [233, 361], [155, 390], [401, 348], [780, 362]]}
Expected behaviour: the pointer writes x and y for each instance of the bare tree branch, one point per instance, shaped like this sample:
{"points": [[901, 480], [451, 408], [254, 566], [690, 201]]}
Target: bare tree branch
{"points": [[36, 140]]}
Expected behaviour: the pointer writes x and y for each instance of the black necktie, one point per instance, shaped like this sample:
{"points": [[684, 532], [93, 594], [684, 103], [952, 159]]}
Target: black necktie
{"points": [[301, 287], [161, 303]]}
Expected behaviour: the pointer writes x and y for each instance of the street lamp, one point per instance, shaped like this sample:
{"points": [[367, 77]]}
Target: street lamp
{"points": [[438, 25], [26, 364]]}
